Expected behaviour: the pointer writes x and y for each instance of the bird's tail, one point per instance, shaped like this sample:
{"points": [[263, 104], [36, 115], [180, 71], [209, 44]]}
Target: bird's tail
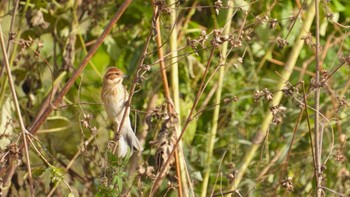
{"points": [[130, 137], [122, 147]]}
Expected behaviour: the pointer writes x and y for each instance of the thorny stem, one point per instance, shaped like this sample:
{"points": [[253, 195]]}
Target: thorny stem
{"points": [[188, 120], [19, 114], [318, 145]]}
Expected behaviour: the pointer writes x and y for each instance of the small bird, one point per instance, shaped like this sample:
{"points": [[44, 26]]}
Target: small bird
{"points": [[114, 96]]}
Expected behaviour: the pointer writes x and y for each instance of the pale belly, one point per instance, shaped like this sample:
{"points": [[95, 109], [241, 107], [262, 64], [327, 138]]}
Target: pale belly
{"points": [[115, 109]]}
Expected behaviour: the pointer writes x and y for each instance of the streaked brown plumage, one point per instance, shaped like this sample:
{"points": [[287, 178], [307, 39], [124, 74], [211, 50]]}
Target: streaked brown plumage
{"points": [[114, 96]]}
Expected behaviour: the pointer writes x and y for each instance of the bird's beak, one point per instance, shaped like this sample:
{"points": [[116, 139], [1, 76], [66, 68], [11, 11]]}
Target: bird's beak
{"points": [[124, 76]]}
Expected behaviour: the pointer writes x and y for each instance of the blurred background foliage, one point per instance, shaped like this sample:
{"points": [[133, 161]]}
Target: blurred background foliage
{"points": [[52, 37]]}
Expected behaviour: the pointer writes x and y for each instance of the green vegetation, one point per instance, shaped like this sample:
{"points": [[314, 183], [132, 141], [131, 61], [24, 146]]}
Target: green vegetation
{"points": [[257, 91]]}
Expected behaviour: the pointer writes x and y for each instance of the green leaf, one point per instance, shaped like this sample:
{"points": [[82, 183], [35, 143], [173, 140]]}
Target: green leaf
{"points": [[112, 159]]}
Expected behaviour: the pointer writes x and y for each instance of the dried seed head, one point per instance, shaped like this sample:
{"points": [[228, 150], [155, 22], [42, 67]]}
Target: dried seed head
{"points": [[308, 40], [232, 175], [166, 138], [282, 42], [273, 24], [265, 93], [339, 156], [287, 183], [277, 113], [346, 59], [218, 5]]}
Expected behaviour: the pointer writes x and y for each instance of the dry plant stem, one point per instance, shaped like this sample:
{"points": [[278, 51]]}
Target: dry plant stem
{"points": [[317, 132], [290, 64], [188, 120], [170, 105], [176, 97], [215, 120], [35, 126], [18, 110]]}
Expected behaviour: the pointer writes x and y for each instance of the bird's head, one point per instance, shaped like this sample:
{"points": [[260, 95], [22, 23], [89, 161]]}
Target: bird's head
{"points": [[113, 76]]}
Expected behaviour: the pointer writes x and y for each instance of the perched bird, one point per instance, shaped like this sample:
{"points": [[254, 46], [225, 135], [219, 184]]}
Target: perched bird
{"points": [[114, 96]]}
